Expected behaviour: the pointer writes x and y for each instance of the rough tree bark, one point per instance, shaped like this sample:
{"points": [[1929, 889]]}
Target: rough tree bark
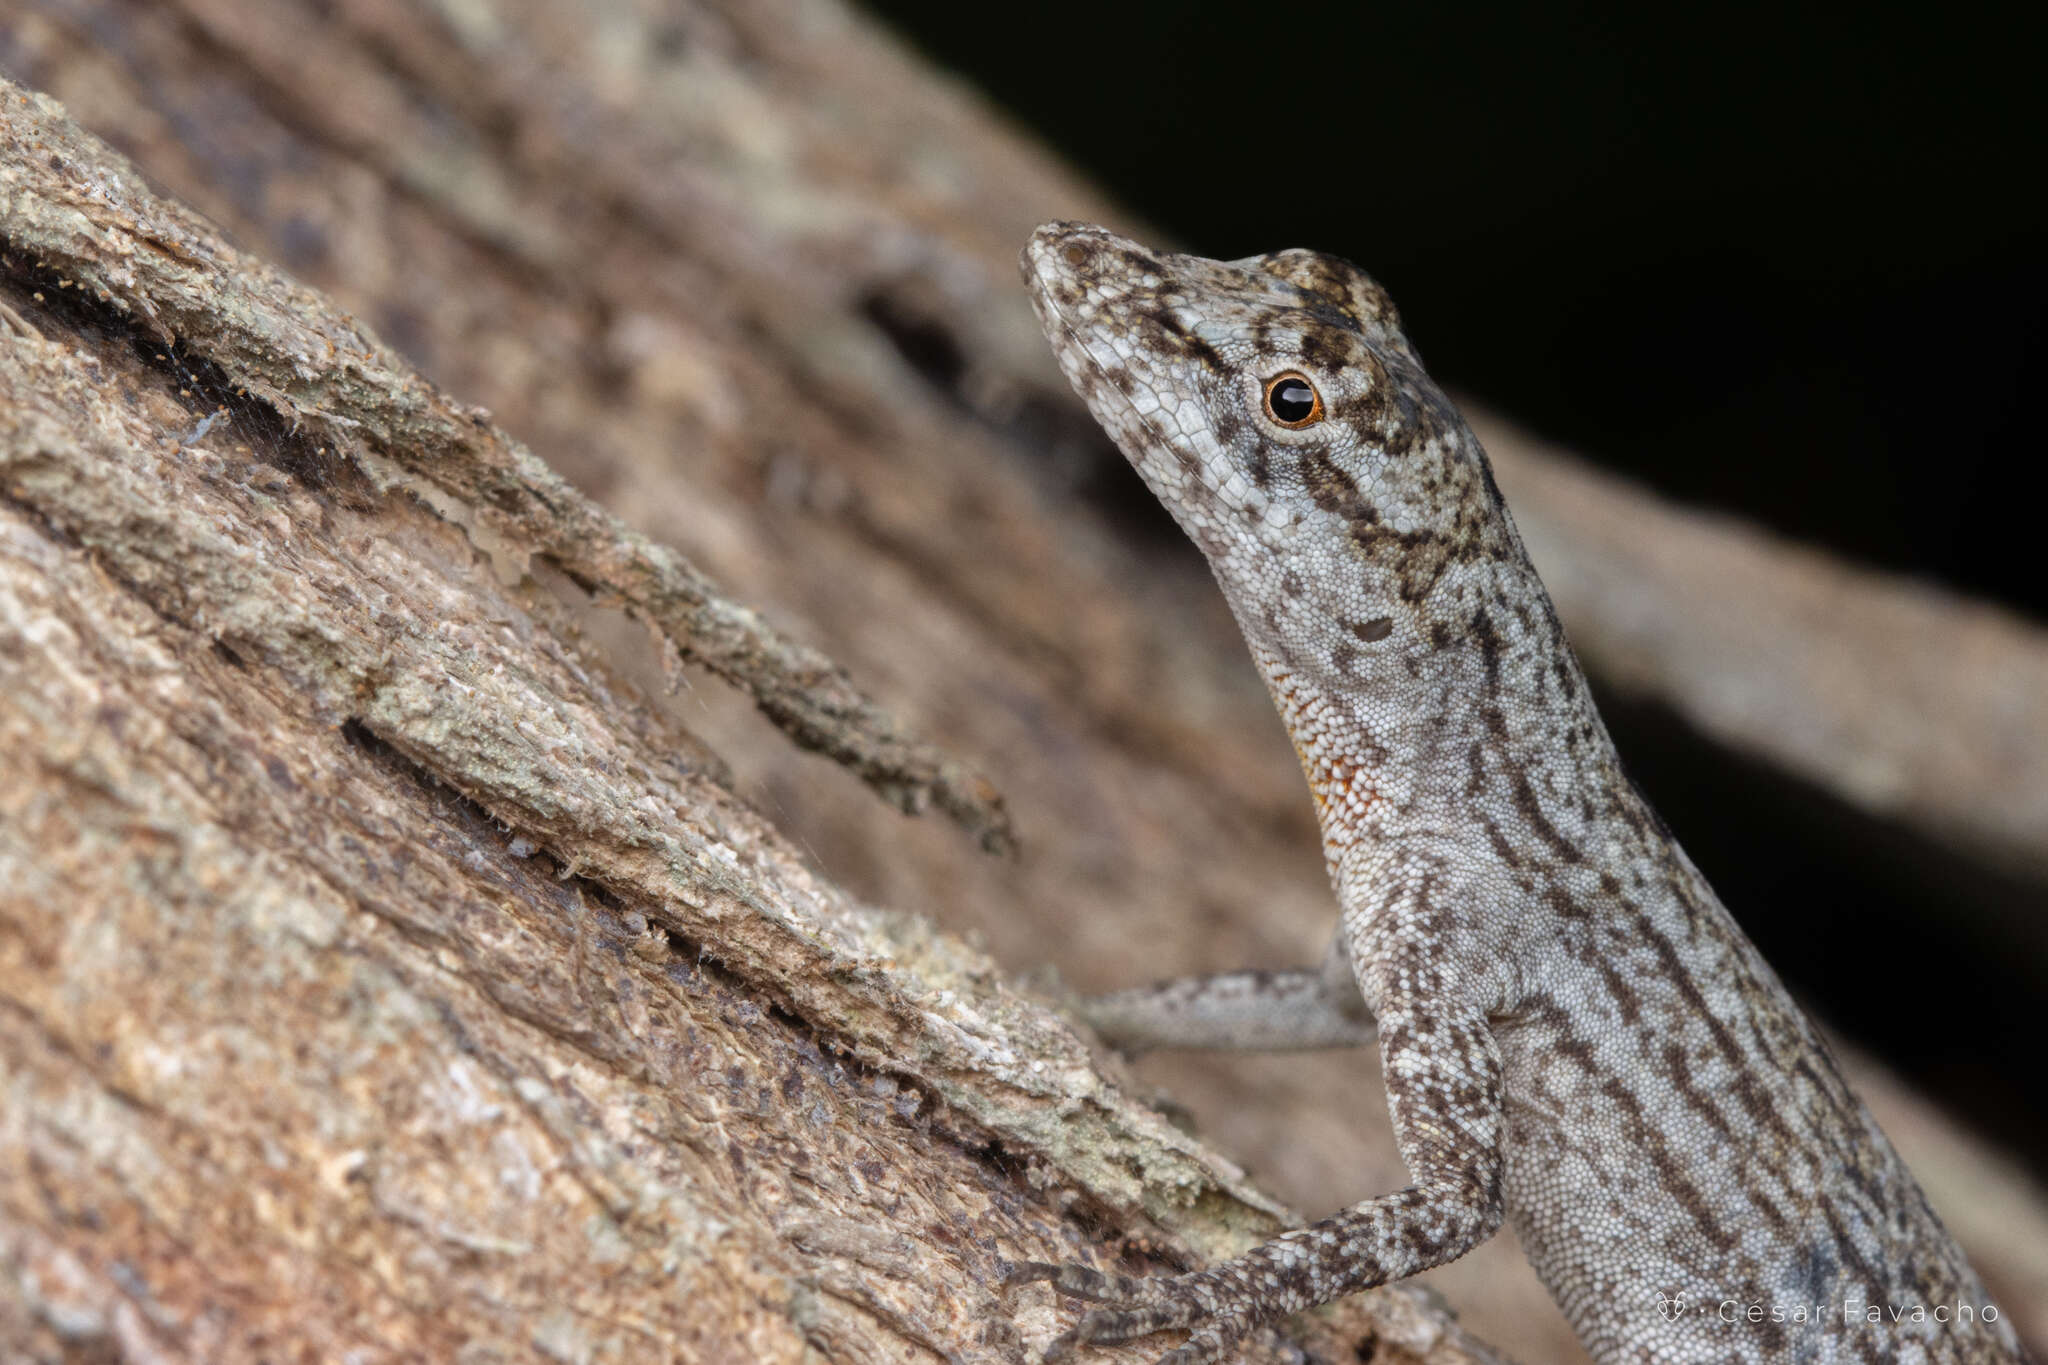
{"points": [[403, 948], [382, 979]]}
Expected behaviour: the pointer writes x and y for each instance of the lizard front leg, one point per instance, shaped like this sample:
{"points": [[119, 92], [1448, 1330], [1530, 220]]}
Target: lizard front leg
{"points": [[1244, 1011], [1443, 1078]]}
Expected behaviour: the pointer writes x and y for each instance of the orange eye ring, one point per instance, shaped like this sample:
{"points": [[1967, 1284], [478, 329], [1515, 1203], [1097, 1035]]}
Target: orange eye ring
{"points": [[1293, 401]]}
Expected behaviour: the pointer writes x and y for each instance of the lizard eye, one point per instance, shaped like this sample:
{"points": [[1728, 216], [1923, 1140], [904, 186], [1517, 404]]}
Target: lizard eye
{"points": [[1292, 401]]}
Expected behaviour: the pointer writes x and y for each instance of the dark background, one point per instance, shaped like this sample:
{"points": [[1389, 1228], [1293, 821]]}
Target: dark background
{"points": [[1787, 262]]}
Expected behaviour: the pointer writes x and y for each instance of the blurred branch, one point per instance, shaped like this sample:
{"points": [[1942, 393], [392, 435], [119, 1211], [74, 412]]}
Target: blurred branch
{"points": [[1914, 704]]}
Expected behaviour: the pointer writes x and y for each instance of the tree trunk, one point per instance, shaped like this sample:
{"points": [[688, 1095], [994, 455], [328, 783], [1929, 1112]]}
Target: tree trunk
{"points": [[413, 943]]}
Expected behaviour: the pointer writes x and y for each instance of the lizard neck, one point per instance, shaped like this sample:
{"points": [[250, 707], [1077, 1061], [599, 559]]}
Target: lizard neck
{"points": [[1470, 720], [1349, 768]]}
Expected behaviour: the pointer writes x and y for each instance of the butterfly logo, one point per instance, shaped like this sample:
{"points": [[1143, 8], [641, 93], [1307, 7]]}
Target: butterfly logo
{"points": [[1671, 1306]]}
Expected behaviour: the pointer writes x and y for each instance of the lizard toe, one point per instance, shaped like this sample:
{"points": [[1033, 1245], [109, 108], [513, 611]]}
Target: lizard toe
{"points": [[1081, 1282], [1108, 1325], [1205, 1347]]}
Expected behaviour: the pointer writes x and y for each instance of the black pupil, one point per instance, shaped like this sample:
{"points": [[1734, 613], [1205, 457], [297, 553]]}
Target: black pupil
{"points": [[1292, 400]]}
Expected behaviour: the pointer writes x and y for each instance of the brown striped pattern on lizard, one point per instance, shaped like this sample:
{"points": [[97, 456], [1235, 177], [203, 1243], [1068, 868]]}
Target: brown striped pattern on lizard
{"points": [[1575, 1035]]}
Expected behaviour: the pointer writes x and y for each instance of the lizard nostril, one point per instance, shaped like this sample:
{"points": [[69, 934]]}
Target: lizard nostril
{"points": [[1292, 401]]}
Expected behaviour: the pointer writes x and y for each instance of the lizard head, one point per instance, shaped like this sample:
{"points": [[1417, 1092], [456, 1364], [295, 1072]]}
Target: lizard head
{"points": [[1274, 406]]}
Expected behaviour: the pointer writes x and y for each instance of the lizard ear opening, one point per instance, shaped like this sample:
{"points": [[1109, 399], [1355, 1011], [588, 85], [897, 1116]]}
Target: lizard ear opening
{"points": [[1292, 401]]}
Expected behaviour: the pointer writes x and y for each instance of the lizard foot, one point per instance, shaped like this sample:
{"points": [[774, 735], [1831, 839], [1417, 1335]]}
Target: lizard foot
{"points": [[1137, 1306]]}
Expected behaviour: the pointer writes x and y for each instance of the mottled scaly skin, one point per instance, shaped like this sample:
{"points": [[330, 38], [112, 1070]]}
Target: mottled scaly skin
{"points": [[1575, 1035]]}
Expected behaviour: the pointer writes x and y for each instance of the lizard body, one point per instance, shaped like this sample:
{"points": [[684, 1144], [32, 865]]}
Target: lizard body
{"points": [[1575, 1035]]}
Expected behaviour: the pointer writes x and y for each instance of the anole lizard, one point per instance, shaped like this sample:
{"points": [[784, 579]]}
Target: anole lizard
{"points": [[1575, 1036]]}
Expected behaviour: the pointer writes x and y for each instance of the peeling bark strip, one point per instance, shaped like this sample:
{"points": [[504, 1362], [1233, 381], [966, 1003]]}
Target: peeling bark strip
{"points": [[77, 213]]}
